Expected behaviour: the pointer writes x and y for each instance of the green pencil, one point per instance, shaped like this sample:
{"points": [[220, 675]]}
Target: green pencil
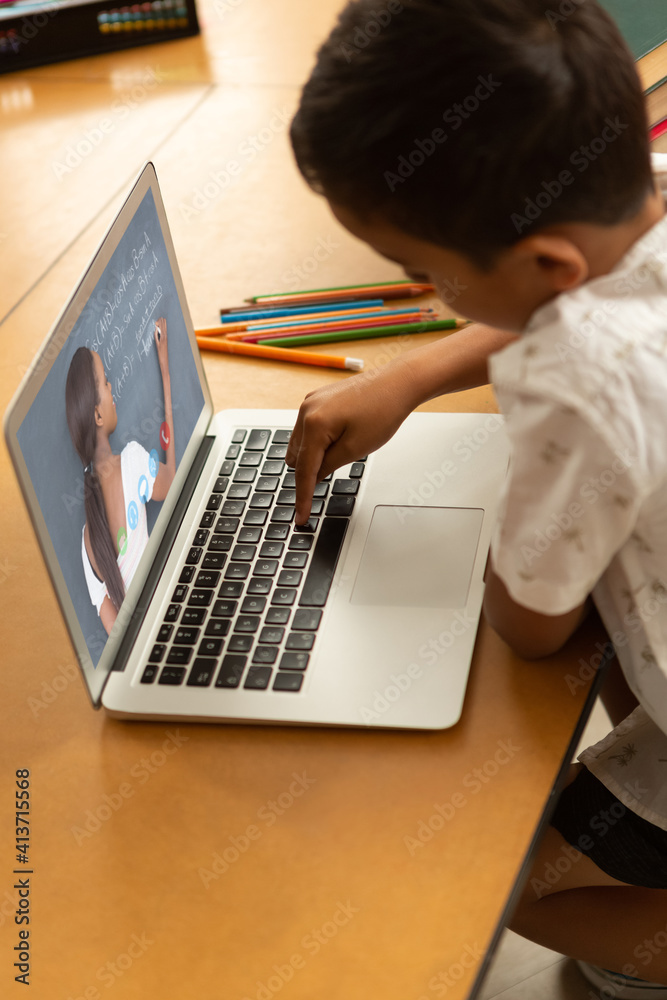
{"points": [[364, 333]]}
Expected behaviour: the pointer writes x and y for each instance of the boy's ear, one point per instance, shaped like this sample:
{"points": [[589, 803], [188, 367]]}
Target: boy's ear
{"points": [[553, 259]]}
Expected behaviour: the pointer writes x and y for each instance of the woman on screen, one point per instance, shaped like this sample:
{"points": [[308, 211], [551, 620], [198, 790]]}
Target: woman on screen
{"points": [[116, 487]]}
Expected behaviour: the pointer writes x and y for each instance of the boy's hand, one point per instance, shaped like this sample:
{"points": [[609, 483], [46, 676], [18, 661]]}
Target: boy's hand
{"points": [[340, 423]]}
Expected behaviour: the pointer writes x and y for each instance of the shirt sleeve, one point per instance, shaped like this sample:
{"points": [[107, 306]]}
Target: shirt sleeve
{"points": [[569, 504], [97, 590], [138, 471]]}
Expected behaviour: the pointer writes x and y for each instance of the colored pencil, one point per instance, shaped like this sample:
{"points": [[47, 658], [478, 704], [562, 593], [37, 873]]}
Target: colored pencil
{"points": [[278, 354], [312, 319], [276, 333], [235, 313], [389, 289], [364, 334]]}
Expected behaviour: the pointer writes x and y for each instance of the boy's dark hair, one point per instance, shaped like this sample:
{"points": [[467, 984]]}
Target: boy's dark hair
{"points": [[471, 123]]}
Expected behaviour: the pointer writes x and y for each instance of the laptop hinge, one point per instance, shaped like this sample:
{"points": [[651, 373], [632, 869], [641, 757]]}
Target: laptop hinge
{"points": [[137, 618]]}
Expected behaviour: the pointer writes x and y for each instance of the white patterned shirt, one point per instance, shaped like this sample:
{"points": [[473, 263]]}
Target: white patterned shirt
{"points": [[584, 511]]}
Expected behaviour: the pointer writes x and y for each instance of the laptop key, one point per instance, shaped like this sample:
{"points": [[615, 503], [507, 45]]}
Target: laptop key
{"points": [[257, 440], [232, 508], [271, 550], [230, 588], [310, 526], [173, 611], [283, 596], [164, 633], [260, 585], [239, 643], [237, 571], [265, 654], [287, 681], [346, 487], [339, 506], [186, 635], [238, 437], [200, 598], [208, 517], [249, 536], [266, 567], [256, 517], [245, 474], [302, 543], [218, 627], [253, 605], [271, 634], [150, 673], [295, 560], [231, 671], [222, 542], [246, 623], [207, 577], [281, 436], [227, 525], [244, 553], [282, 514], [258, 678], [323, 562], [307, 619], [251, 459], [194, 555], [214, 501], [277, 532], [357, 470], [172, 675], [294, 661], [224, 609], [209, 647], [278, 616], [157, 652], [289, 578], [213, 560], [300, 640], [276, 451], [267, 484], [261, 501], [273, 467], [239, 491], [221, 484], [202, 672], [193, 616], [201, 537], [179, 595], [233, 451], [227, 468], [179, 655]]}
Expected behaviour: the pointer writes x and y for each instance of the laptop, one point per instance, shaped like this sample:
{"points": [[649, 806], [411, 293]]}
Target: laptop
{"points": [[227, 611]]}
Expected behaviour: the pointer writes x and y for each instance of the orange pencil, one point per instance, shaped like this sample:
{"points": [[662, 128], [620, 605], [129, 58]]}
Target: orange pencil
{"points": [[279, 354]]}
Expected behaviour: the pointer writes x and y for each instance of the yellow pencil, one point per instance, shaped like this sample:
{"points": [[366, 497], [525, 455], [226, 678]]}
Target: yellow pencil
{"points": [[279, 354]]}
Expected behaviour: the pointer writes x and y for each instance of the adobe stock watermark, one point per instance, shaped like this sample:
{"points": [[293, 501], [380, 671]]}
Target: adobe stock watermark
{"points": [[429, 652], [268, 815], [565, 9], [140, 772], [563, 524], [581, 159], [50, 691], [311, 943], [440, 984], [117, 967], [473, 782], [324, 247], [599, 826], [223, 7], [247, 152], [633, 624], [437, 479], [454, 117], [363, 36], [121, 108]]}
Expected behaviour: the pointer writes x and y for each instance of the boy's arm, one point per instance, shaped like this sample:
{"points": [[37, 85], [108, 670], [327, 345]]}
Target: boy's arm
{"points": [[340, 423], [529, 634]]}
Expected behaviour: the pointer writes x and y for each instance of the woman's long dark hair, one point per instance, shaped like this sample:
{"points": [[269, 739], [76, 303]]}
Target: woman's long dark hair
{"points": [[81, 398]]}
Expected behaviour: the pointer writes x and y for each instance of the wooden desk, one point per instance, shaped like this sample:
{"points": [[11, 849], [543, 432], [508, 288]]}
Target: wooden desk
{"points": [[234, 862]]}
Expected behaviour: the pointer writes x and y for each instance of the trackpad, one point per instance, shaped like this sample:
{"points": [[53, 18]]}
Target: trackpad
{"points": [[418, 557]]}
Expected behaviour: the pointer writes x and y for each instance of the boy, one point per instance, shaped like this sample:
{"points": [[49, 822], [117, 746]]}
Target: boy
{"points": [[498, 148]]}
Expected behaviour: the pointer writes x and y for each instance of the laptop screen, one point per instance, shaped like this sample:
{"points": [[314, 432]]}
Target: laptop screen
{"points": [[98, 442]]}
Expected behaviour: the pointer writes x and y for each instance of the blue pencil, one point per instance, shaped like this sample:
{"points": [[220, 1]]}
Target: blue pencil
{"points": [[243, 313]]}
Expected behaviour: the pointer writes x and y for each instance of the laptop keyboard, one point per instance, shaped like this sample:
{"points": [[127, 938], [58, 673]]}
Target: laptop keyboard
{"points": [[249, 601]]}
